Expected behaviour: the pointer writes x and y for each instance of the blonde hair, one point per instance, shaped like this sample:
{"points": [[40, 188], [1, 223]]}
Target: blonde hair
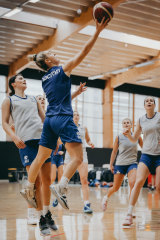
{"points": [[149, 97], [39, 59], [127, 119]]}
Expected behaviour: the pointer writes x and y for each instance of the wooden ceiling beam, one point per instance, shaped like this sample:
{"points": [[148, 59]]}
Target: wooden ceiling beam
{"points": [[108, 49], [106, 43], [21, 33], [43, 12], [132, 74], [79, 2], [10, 37], [138, 14], [139, 31], [17, 42], [7, 4], [64, 30], [26, 27], [50, 9], [65, 4]]}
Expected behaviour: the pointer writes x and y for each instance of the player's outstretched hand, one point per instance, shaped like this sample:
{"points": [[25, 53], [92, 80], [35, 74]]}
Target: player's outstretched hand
{"points": [[82, 88], [100, 26]]}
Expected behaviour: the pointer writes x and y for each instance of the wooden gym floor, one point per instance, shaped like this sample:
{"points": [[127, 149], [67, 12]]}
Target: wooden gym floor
{"points": [[74, 225]]}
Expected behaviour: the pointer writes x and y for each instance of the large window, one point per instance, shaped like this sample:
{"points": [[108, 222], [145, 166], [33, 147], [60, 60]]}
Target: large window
{"points": [[89, 106], [122, 108], [34, 87]]}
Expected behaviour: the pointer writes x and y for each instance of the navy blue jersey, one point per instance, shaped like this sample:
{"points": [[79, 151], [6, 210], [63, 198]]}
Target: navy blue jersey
{"points": [[57, 87]]}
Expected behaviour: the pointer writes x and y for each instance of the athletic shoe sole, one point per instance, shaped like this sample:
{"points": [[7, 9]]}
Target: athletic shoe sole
{"points": [[31, 202], [89, 212], [60, 199], [29, 222], [127, 224], [45, 234], [54, 228]]}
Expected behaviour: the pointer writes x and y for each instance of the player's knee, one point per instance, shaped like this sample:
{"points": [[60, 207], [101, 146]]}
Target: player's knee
{"points": [[115, 188], [40, 159], [158, 188], [46, 180], [131, 184], [38, 183], [52, 179], [84, 181], [78, 159], [139, 183]]}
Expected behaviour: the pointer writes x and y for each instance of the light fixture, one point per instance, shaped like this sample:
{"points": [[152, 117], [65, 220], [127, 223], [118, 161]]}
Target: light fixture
{"points": [[34, 1], [12, 12], [95, 77], [106, 73], [146, 63], [79, 11], [119, 71], [144, 80]]}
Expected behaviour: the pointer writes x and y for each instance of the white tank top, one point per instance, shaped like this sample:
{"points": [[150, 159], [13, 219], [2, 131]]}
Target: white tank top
{"points": [[82, 133], [127, 151], [24, 111], [151, 134]]}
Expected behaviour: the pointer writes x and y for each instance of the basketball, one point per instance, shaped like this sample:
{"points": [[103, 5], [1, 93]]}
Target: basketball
{"points": [[103, 9]]}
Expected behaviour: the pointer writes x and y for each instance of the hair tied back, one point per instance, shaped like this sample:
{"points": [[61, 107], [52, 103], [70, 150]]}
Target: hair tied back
{"points": [[35, 57]]}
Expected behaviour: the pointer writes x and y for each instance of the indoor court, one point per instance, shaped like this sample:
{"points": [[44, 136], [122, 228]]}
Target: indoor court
{"points": [[74, 225]]}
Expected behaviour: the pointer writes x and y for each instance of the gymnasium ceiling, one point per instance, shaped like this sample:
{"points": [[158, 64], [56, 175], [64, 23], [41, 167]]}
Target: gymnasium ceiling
{"points": [[128, 52]]}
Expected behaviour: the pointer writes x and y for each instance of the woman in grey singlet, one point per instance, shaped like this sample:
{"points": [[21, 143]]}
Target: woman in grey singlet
{"points": [[149, 125], [27, 115], [126, 162], [83, 168]]}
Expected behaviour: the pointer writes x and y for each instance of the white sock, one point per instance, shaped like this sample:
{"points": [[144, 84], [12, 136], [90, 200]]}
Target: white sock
{"points": [[45, 210], [39, 214], [64, 182], [30, 211], [130, 209], [86, 202], [30, 185], [106, 198]]}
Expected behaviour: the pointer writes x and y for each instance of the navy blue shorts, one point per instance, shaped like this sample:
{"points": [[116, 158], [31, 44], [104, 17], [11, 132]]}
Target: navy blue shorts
{"points": [[28, 154], [57, 160], [59, 126], [123, 169], [151, 161]]}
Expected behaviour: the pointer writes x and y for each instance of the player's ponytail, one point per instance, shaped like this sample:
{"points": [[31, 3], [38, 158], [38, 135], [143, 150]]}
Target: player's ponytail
{"points": [[39, 59], [12, 80]]}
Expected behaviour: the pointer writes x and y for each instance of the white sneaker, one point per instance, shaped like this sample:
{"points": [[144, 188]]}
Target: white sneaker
{"points": [[29, 195], [128, 221], [32, 218], [60, 195], [133, 215], [104, 203]]}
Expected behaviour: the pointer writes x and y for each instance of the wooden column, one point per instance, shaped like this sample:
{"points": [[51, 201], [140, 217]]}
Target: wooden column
{"points": [[108, 116]]}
